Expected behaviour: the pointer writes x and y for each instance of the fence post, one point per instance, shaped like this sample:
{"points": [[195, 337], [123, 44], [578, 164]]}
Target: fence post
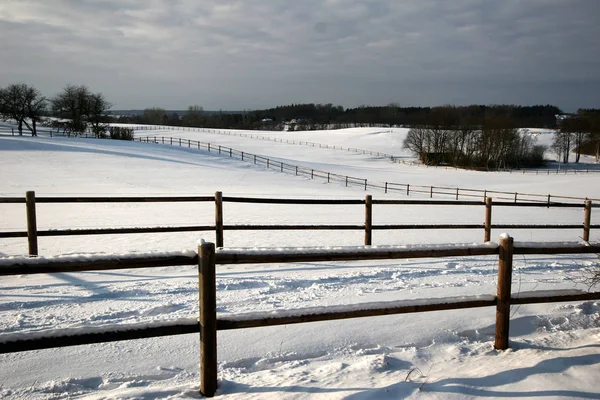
{"points": [[346, 180], [281, 166], [407, 190], [487, 230], [548, 201], [242, 156], [267, 163], [219, 218], [386, 187], [587, 216], [31, 223], [456, 193], [431, 192], [328, 177], [515, 197], [312, 174], [368, 220], [296, 170], [230, 153], [365, 184], [208, 319], [179, 142], [503, 301]]}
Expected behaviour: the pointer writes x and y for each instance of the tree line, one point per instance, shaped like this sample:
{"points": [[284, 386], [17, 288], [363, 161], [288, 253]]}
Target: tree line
{"points": [[448, 137], [76, 108], [328, 116]]}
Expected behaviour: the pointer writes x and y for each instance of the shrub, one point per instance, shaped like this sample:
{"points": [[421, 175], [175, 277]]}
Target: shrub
{"points": [[120, 133]]}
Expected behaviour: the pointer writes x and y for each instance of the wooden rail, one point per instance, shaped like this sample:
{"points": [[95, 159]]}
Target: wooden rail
{"points": [[220, 227], [209, 322]]}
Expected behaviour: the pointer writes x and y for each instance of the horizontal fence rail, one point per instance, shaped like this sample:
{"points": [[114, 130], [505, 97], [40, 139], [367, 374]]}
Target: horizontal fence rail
{"points": [[219, 227], [209, 322]]}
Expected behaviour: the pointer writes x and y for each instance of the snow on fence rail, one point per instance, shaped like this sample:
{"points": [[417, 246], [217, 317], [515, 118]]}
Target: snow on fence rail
{"points": [[209, 322], [220, 227], [347, 180]]}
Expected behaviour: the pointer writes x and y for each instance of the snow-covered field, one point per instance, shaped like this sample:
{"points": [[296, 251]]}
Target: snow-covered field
{"points": [[554, 347]]}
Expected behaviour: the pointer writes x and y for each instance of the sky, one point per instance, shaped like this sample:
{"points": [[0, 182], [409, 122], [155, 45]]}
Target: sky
{"points": [[253, 54]]}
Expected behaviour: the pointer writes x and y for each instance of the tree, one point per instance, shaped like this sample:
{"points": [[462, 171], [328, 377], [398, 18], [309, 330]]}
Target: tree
{"points": [[562, 145], [575, 128], [97, 106], [35, 107], [24, 104], [72, 104], [193, 116], [154, 116]]}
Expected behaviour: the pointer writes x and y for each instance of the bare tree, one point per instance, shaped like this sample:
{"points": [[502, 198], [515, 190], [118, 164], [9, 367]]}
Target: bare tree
{"points": [[562, 145], [35, 107], [576, 128], [155, 116], [193, 116], [72, 105], [24, 104], [97, 106]]}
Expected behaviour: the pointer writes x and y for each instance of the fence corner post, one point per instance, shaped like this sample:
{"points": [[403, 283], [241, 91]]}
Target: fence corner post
{"points": [[505, 260], [587, 217], [31, 223], [487, 234], [208, 318], [368, 220], [219, 218]]}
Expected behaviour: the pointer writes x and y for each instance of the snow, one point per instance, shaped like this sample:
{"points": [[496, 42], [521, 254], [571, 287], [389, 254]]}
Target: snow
{"points": [[353, 307], [78, 258], [435, 355], [333, 250]]}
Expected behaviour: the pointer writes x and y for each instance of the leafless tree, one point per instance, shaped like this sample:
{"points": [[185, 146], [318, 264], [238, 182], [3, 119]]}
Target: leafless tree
{"points": [[97, 106], [577, 128], [24, 104], [155, 116], [193, 116], [72, 105], [562, 145]]}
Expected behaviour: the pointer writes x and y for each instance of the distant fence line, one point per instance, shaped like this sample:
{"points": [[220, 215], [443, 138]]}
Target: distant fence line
{"points": [[347, 180], [32, 233], [208, 322], [395, 159]]}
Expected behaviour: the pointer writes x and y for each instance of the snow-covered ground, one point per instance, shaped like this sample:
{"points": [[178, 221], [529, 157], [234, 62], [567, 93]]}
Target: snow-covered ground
{"points": [[554, 347]]}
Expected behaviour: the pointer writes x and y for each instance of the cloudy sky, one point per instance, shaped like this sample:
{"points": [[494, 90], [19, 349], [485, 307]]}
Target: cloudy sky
{"points": [[260, 53]]}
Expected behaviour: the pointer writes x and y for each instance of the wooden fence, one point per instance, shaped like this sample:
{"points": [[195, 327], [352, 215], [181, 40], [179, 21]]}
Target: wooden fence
{"points": [[564, 170], [363, 183], [32, 233], [209, 323]]}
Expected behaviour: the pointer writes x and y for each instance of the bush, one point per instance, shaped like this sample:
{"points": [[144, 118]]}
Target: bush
{"points": [[120, 133]]}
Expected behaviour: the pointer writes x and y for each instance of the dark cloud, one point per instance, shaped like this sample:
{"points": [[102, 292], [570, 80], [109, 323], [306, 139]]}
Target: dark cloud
{"points": [[251, 54]]}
